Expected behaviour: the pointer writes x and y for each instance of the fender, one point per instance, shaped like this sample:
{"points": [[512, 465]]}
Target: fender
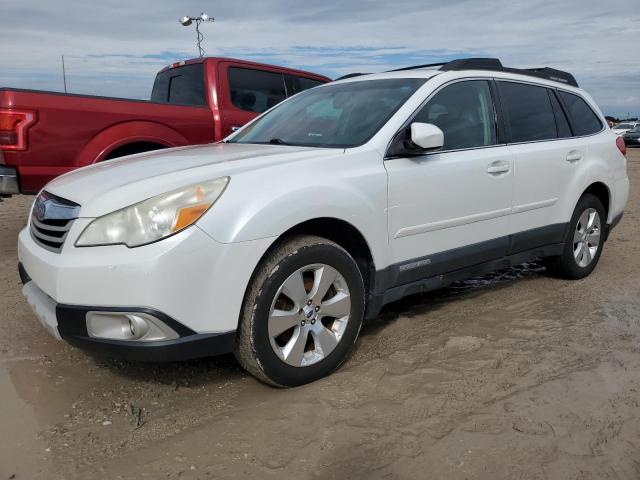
{"points": [[240, 217], [124, 133]]}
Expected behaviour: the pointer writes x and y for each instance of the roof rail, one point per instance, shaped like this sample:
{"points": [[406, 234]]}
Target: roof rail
{"points": [[414, 67], [473, 64], [494, 64], [552, 74], [349, 75]]}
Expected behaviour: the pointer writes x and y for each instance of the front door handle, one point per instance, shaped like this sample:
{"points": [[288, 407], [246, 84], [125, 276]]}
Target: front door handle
{"points": [[497, 168], [574, 156]]}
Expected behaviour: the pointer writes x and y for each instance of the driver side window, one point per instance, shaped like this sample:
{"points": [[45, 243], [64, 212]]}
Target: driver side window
{"points": [[464, 112]]}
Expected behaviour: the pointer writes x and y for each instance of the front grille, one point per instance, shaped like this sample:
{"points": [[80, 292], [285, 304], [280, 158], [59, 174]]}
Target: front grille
{"points": [[51, 220], [50, 234]]}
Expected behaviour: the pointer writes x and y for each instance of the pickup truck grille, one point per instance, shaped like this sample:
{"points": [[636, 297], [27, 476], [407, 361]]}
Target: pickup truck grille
{"points": [[51, 220]]}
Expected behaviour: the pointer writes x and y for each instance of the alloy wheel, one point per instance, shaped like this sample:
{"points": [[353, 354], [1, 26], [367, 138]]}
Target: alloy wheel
{"points": [[586, 238], [309, 315]]}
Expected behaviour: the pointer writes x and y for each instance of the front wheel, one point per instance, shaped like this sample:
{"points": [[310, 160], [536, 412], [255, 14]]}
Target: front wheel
{"points": [[584, 242], [302, 312]]}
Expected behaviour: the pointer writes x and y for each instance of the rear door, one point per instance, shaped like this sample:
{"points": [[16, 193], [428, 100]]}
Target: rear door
{"points": [[246, 92], [545, 158]]}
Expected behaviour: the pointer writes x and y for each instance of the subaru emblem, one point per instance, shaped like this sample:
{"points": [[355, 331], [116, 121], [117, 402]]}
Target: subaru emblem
{"points": [[40, 209]]}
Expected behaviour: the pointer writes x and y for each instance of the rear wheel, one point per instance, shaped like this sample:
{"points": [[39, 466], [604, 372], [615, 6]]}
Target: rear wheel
{"points": [[584, 242], [302, 313]]}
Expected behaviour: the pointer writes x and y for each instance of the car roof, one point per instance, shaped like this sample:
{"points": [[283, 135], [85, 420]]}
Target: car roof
{"points": [[430, 72]]}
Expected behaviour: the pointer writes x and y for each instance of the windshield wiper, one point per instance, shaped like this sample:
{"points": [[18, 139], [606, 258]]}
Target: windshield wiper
{"points": [[277, 141]]}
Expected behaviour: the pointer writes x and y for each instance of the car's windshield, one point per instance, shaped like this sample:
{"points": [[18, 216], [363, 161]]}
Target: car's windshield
{"points": [[338, 115], [623, 126]]}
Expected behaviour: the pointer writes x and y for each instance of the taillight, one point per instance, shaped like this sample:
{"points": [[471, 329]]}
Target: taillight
{"points": [[621, 146], [13, 128]]}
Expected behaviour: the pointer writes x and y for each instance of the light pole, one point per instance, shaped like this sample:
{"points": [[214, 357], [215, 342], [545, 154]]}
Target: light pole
{"points": [[186, 21]]}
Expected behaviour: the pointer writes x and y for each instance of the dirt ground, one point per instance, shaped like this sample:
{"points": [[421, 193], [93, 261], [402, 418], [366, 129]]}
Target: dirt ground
{"points": [[514, 375]]}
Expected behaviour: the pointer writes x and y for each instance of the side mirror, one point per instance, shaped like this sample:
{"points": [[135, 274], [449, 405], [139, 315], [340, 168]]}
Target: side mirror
{"points": [[426, 136]]}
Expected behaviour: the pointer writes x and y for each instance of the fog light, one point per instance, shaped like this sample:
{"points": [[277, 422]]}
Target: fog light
{"points": [[128, 326]]}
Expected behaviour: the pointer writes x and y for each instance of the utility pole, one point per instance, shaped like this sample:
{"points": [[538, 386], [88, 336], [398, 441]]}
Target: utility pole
{"points": [[64, 75]]}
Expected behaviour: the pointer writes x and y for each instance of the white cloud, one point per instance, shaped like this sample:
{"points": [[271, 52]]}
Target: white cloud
{"points": [[105, 43]]}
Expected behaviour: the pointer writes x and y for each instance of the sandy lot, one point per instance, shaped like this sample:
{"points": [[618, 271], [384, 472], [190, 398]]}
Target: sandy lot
{"points": [[514, 375]]}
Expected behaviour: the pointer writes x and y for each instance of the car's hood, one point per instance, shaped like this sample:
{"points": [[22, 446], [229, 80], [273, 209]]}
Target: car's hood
{"points": [[113, 184]]}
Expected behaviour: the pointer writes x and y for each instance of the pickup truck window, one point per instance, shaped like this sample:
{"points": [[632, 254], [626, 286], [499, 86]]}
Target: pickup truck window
{"points": [[336, 115], [181, 86], [297, 84], [255, 90]]}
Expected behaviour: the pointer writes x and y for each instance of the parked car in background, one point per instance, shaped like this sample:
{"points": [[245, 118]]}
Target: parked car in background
{"points": [[46, 134], [622, 128], [632, 137], [276, 243]]}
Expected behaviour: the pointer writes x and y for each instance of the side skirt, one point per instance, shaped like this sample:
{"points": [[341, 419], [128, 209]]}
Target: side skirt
{"points": [[378, 300]]}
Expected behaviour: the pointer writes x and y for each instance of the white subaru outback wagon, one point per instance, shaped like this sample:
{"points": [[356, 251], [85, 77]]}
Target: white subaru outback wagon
{"points": [[278, 242]]}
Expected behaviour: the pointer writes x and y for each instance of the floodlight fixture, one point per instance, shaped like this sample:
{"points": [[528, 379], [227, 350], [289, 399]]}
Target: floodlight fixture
{"points": [[186, 21]]}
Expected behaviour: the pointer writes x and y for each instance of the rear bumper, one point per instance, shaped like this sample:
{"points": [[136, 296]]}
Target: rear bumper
{"points": [[68, 322], [9, 184]]}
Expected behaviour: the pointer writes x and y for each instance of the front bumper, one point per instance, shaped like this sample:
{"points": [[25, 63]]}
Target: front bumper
{"points": [[69, 322], [188, 280], [8, 181]]}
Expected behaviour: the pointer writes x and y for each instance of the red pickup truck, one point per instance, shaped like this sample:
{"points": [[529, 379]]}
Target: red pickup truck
{"points": [[45, 134]]}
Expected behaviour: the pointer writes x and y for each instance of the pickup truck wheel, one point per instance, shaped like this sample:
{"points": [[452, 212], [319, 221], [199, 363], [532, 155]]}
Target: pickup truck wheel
{"points": [[584, 242], [302, 312]]}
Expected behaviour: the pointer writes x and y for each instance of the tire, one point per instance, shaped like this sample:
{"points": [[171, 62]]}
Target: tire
{"points": [[314, 343], [570, 264]]}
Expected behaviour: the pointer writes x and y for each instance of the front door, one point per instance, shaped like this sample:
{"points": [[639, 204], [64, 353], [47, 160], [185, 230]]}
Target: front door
{"points": [[450, 209]]}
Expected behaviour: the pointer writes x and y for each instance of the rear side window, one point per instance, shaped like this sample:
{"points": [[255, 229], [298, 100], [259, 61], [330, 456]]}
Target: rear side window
{"points": [[464, 112], [583, 119], [183, 86], [255, 90], [564, 131], [528, 112]]}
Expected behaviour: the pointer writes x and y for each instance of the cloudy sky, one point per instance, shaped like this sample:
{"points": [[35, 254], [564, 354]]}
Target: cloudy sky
{"points": [[114, 47]]}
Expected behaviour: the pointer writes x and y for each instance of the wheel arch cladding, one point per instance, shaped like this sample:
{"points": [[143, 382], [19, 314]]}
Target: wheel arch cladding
{"points": [[341, 232], [601, 191]]}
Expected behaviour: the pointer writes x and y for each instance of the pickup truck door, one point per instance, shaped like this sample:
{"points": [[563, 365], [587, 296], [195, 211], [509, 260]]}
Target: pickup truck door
{"points": [[450, 209]]}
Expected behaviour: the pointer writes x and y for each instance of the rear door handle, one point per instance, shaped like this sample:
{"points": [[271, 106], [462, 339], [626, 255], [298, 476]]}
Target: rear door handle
{"points": [[574, 156], [496, 168]]}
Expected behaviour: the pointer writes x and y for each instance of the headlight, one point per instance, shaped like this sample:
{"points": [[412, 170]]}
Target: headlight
{"points": [[155, 218]]}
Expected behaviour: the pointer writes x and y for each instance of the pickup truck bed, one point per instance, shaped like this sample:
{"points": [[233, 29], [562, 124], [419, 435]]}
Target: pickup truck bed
{"points": [[71, 131]]}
